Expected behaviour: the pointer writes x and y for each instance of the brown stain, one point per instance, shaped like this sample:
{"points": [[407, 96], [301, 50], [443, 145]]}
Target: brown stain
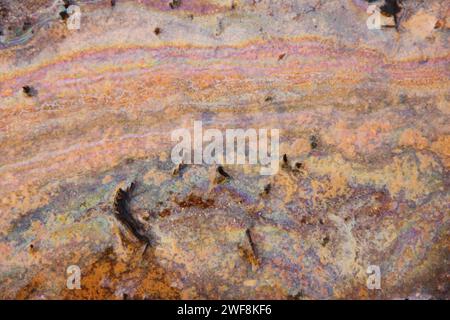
{"points": [[193, 200], [32, 287], [102, 279], [165, 213], [248, 255], [381, 203]]}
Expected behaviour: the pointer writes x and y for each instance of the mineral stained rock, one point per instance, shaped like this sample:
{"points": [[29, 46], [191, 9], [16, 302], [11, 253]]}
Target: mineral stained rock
{"points": [[364, 122]]}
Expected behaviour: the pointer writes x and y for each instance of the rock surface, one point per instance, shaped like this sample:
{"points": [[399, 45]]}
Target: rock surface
{"points": [[373, 188]]}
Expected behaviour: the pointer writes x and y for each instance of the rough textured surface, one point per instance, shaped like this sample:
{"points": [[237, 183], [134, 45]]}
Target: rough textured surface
{"points": [[374, 190]]}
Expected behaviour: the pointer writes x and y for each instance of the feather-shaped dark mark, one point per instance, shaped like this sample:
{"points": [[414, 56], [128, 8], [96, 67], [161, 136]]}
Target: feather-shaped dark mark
{"points": [[179, 169], [29, 91], [285, 163], [175, 4], [249, 251], [123, 214], [250, 241], [391, 8], [222, 172], [267, 189]]}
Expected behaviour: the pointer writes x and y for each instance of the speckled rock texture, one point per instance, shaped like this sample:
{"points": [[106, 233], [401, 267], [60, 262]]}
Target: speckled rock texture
{"points": [[364, 113]]}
